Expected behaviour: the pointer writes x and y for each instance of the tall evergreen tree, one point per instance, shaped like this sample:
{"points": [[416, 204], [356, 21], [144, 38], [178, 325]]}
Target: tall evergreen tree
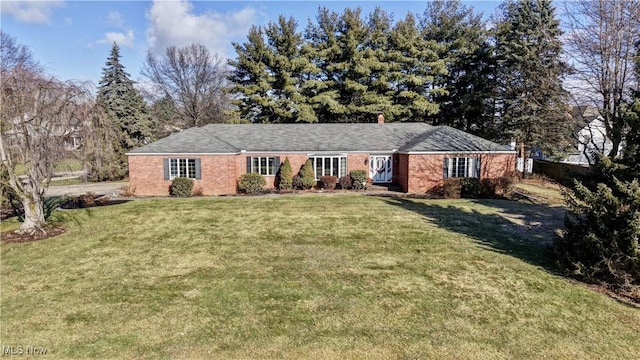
{"points": [[468, 88], [251, 77], [123, 104], [532, 101], [324, 52], [288, 67], [414, 65]]}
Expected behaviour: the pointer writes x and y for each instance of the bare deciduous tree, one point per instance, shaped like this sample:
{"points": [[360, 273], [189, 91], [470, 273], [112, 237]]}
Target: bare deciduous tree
{"points": [[600, 41], [194, 80], [34, 122]]}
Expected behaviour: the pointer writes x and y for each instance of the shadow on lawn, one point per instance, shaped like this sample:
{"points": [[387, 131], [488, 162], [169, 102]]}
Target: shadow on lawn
{"points": [[522, 230]]}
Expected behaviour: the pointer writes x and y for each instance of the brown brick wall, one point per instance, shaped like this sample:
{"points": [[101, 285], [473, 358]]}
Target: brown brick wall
{"points": [[426, 171], [415, 173], [357, 162], [146, 175]]}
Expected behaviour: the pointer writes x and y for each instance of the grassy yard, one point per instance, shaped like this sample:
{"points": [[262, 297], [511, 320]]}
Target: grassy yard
{"points": [[61, 166], [306, 277]]}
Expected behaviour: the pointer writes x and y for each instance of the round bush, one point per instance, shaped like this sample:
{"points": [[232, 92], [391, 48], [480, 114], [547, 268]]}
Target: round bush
{"points": [[251, 183], [181, 187], [345, 182], [328, 182], [358, 179]]}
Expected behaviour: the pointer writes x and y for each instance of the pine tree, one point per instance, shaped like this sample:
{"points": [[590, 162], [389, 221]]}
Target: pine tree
{"points": [[465, 101], [251, 77], [602, 228], [323, 49], [532, 101], [414, 64], [601, 241], [124, 104], [288, 67]]}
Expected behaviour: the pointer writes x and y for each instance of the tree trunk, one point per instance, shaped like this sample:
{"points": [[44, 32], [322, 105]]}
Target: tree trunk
{"points": [[33, 213]]}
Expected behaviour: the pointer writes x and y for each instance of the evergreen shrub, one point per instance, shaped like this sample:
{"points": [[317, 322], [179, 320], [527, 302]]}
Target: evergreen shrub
{"points": [[181, 187], [251, 183], [469, 188], [285, 176], [307, 176], [296, 182], [358, 179]]}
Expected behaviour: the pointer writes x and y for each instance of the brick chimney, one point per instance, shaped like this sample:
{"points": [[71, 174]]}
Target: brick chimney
{"points": [[380, 119]]}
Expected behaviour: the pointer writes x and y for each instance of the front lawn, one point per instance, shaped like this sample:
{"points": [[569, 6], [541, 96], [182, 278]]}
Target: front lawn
{"points": [[344, 276]]}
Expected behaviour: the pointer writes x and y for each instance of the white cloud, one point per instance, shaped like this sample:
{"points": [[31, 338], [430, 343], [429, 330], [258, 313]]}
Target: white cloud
{"points": [[175, 23], [115, 19], [122, 39], [30, 11]]}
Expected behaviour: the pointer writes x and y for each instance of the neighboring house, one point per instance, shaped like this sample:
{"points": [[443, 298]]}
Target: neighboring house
{"points": [[591, 137], [416, 156]]}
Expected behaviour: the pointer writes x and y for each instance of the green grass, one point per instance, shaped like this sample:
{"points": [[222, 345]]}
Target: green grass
{"points": [[546, 191], [61, 166], [306, 277], [66, 182]]}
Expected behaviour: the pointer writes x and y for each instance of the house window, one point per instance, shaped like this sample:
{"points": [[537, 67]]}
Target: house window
{"points": [[462, 167], [267, 166], [179, 167], [329, 165]]}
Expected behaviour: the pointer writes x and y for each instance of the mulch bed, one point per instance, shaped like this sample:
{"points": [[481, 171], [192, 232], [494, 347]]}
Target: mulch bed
{"points": [[49, 232]]}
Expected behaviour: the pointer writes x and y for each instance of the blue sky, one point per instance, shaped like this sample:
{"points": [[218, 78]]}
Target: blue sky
{"points": [[73, 38]]}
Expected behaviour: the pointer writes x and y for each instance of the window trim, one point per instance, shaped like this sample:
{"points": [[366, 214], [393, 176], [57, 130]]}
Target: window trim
{"points": [[342, 165], [471, 169], [251, 168], [169, 174]]}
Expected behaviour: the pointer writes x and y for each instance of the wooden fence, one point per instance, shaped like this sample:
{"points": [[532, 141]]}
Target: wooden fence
{"points": [[560, 172]]}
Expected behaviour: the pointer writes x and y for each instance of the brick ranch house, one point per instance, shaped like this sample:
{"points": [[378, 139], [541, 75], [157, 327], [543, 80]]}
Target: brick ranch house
{"points": [[416, 156]]}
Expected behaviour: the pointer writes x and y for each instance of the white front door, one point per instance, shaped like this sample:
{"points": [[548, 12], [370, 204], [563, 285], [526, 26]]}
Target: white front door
{"points": [[381, 168]]}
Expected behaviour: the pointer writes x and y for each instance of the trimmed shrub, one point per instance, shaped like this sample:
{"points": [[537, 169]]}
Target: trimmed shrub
{"points": [[505, 184], [251, 183], [181, 187], [345, 182], [328, 182], [470, 188], [296, 182], [306, 174], [452, 188], [358, 179], [285, 176]]}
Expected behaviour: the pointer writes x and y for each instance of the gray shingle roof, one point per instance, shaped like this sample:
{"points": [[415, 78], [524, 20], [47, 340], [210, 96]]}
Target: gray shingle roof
{"points": [[402, 137]]}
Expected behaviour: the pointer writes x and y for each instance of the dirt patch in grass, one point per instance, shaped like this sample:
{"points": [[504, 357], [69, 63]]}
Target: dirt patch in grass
{"points": [[47, 233]]}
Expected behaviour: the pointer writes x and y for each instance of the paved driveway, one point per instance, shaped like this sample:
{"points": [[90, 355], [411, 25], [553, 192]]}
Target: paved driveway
{"points": [[105, 188]]}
